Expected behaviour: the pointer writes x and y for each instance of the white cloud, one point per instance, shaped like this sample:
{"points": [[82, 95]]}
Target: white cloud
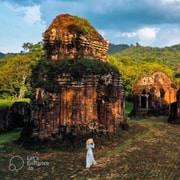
{"points": [[118, 37], [147, 35], [20, 25], [31, 14], [168, 35], [129, 34]]}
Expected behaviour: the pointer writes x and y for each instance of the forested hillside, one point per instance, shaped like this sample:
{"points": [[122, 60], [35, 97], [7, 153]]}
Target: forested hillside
{"points": [[169, 56], [117, 48]]}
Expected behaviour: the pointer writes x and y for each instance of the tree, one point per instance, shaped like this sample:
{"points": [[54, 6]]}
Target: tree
{"points": [[34, 51], [15, 70], [14, 76]]}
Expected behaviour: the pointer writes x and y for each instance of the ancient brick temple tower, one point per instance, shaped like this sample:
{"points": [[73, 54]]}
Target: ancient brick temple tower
{"points": [[72, 37], [74, 86]]}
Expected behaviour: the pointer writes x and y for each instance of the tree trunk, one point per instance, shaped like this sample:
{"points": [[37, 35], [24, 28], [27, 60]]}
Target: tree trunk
{"points": [[22, 89]]}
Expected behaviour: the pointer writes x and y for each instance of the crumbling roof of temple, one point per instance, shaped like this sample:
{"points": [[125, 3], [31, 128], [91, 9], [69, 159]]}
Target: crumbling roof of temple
{"points": [[65, 23], [157, 78]]}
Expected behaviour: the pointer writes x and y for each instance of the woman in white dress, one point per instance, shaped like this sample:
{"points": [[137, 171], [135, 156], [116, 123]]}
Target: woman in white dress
{"points": [[89, 155]]}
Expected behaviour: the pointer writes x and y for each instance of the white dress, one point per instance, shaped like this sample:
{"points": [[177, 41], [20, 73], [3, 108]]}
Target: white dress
{"points": [[89, 156]]}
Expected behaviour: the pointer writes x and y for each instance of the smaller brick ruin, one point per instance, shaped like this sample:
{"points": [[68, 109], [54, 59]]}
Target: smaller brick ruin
{"points": [[153, 95]]}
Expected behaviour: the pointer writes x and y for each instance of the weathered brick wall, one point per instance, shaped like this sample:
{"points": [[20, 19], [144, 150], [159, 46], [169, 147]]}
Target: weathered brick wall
{"points": [[86, 104]]}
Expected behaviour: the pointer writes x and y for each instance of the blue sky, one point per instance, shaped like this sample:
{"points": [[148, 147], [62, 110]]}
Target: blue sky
{"points": [[153, 23]]}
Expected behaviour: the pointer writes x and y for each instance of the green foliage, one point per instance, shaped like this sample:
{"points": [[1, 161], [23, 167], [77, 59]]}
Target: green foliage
{"points": [[168, 55], [14, 76], [131, 70], [82, 24], [15, 71], [33, 51], [45, 73]]}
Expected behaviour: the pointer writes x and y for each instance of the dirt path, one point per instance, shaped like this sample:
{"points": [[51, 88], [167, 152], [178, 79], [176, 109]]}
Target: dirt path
{"points": [[149, 150]]}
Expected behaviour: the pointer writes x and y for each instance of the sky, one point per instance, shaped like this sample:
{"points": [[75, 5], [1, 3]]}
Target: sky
{"points": [[154, 23]]}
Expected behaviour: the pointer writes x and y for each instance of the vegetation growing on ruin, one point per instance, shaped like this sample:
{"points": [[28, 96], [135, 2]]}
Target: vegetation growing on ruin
{"points": [[45, 73]]}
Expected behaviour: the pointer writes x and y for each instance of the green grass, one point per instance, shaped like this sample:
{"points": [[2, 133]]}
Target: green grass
{"points": [[9, 102], [9, 137], [128, 108]]}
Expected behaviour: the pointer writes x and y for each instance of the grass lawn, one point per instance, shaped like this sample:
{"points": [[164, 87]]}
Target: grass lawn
{"points": [[9, 137]]}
